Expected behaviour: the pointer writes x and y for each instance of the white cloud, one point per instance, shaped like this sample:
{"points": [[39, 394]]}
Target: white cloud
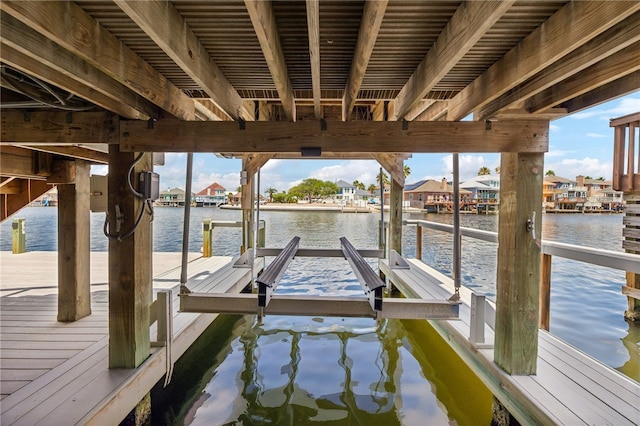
{"points": [[554, 128], [572, 167], [623, 107], [554, 152], [469, 165], [364, 171], [596, 135]]}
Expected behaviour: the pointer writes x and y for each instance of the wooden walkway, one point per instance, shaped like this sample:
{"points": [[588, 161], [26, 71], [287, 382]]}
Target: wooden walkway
{"points": [[57, 373], [570, 388]]}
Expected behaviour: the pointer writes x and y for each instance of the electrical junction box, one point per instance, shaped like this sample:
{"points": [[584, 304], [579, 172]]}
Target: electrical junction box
{"points": [[98, 191], [150, 185]]}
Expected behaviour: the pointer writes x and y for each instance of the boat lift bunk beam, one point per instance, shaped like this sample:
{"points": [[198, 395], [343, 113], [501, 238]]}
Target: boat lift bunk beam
{"points": [[329, 306]]}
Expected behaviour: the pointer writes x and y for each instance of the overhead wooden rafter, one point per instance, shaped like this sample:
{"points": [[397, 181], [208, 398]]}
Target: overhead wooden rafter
{"points": [[313, 28], [369, 27], [610, 69], [32, 53], [606, 44], [620, 87], [68, 25], [470, 22], [588, 19], [266, 28], [160, 21]]}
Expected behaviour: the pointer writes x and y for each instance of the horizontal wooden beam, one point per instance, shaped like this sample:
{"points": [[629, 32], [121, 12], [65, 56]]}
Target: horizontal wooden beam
{"points": [[611, 41], [621, 63], [172, 135], [467, 25], [545, 45], [34, 54], [58, 127], [620, 87], [161, 22], [72, 151], [68, 25]]}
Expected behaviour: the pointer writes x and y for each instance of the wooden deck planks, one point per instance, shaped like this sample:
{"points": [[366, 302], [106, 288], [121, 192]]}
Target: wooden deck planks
{"points": [[81, 388], [569, 388]]}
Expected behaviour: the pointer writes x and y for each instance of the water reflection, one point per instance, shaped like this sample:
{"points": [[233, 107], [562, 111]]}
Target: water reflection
{"points": [[321, 370]]}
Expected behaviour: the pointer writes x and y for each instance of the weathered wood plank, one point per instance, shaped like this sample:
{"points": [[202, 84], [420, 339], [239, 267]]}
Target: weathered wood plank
{"points": [[266, 28], [129, 264], [72, 28], [74, 246], [370, 23], [313, 29], [56, 127], [518, 270], [354, 136], [468, 24], [160, 20]]}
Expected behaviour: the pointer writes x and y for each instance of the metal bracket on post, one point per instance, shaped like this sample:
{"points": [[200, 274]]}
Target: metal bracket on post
{"points": [[477, 321], [396, 261]]}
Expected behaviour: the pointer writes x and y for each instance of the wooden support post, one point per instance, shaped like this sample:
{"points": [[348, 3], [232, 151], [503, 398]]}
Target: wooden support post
{"points": [[247, 208], [262, 234], [518, 272], [130, 277], [18, 236], [207, 229], [74, 230], [395, 217], [419, 242], [631, 244], [545, 292]]}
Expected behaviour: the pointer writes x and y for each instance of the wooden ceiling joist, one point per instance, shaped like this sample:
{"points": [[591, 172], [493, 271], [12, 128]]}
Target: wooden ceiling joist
{"points": [[161, 21], [92, 155], [470, 22], [313, 28], [32, 53], [588, 19], [610, 69], [266, 28], [370, 23], [620, 87], [66, 24], [611, 41], [351, 136]]}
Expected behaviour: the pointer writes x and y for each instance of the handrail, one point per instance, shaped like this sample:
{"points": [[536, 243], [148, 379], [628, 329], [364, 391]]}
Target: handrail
{"points": [[608, 258]]}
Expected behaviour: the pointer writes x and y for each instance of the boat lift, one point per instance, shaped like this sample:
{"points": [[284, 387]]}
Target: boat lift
{"points": [[266, 302]]}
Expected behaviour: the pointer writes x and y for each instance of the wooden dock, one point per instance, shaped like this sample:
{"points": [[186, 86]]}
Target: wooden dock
{"points": [[57, 373], [569, 388]]}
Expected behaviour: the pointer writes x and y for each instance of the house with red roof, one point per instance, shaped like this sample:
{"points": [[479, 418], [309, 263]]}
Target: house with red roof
{"points": [[213, 195]]}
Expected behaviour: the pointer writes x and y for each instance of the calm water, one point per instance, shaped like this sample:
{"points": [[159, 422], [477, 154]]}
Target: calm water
{"points": [[289, 370]]}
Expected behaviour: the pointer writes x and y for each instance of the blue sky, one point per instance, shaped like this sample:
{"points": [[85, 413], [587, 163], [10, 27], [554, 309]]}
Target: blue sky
{"points": [[581, 143]]}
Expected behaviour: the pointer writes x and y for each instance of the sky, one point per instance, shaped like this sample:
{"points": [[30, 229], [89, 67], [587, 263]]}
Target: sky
{"points": [[579, 144]]}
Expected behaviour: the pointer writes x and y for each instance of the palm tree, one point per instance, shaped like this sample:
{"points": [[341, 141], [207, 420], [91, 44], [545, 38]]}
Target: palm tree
{"points": [[358, 184], [385, 178], [484, 171], [550, 173], [407, 171], [498, 170], [371, 188], [271, 191]]}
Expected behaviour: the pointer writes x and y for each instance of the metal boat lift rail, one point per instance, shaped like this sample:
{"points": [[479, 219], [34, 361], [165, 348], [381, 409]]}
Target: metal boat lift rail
{"points": [[266, 302]]}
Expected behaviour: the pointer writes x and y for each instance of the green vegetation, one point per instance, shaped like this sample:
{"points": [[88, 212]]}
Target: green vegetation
{"points": [[313, 188], [484, 171]]}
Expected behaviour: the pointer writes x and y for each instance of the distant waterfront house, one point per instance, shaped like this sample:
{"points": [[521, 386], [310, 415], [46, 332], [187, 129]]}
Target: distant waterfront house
{"points": [[348, 194], [548, 194], [483, 189], [172, 197], [430, 192], [213, 195]]}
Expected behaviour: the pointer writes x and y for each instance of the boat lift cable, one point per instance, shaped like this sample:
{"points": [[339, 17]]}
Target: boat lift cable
{"points": [[185, 228], [457, 238]]}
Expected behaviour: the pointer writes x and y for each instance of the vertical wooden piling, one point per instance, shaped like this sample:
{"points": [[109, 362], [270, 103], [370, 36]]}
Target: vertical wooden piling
{"points": [[207, 249], [130, 277], [74, 229], [545, 292], [419, 242], [18, 236], [395, 217], [627, 179], [518, 272]]}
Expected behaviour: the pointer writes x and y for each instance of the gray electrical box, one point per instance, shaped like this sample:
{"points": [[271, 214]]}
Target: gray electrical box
{"points": [[150, 185], [98, 188]]}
